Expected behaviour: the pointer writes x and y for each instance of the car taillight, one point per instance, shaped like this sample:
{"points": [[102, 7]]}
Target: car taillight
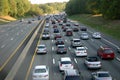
{"points": [[45, 75], [60, 65]]}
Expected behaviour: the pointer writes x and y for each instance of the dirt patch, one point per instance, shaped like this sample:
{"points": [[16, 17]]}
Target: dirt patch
{"points": [[7, 18]]}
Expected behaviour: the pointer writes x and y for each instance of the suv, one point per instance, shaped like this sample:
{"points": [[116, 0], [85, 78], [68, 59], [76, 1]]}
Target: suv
{"points": [[76, 42], [71, 74], [69, 32]]}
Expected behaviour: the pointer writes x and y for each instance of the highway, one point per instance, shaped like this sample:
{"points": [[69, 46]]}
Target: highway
{"points": [[11, 37]]}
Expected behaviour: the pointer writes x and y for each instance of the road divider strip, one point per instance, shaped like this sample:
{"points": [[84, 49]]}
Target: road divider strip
{"points": [[31, 63], [20, 59]]}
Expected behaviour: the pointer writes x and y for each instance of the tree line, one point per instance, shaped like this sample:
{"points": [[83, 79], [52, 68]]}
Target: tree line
{"points": [[110, 9], [20, 8]]}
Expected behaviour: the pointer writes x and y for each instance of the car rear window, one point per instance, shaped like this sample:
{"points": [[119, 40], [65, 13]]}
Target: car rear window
{"points": [[76, 40], [40, 70], [108, 51], [103, 75], [72, 78], [93, 59], [66, 62], [41, 46]]}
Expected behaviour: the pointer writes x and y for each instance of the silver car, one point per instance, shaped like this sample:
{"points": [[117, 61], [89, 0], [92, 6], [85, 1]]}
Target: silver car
{"points": [[101, 75], [41, 49], [84, 36]]}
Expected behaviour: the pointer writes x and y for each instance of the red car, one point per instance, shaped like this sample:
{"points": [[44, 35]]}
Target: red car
{"points": [[57, 36], [105, 53]]}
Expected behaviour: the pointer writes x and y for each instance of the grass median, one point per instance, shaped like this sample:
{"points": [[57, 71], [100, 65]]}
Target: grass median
{"points": [[110, 27]]}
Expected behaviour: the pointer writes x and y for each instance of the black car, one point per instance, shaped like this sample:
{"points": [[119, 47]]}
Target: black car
{"points": [[56, 30], [59, 41], [83, 29]]}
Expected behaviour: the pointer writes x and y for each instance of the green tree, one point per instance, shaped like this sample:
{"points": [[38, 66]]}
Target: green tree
{"points": [[13, 8], [4, 7]]}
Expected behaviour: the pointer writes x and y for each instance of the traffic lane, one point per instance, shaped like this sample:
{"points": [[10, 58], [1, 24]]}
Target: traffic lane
{"points": [[11, 44], [95, 52]]}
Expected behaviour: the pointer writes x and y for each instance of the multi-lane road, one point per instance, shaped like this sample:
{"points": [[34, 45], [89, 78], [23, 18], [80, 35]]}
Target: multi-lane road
{"points": [[12, 35]]}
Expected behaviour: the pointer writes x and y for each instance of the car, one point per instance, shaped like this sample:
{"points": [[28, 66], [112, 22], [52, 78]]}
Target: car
{"points": [[80, 51], [65, 63], [67, 24], [54, 26], [84, 36], [75, 29], [40, 72], [41, 49], [83, 28], [92, 62], [69, 32], [57, 35], [105, 52], [61, 49], [96, 35], [56, 30], [46, 30], [76, 24], [76, 42], [71, 74], [59, 41], [101, 75], [53, 22], [65, 29], [45, 35], [47, 25], [29, 22]]}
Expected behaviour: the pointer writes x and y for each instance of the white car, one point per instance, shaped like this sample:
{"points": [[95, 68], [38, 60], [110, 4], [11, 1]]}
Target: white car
{"points": [[65, 63], [101, 75], [41, 72], [45, 35], [76, 42], [41, 49], [84, 36], [96, 35], [80, 51], [93, 62]]}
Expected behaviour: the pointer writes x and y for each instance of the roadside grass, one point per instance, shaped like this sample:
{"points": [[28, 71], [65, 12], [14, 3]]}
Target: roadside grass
{"points": [[110, 27]]}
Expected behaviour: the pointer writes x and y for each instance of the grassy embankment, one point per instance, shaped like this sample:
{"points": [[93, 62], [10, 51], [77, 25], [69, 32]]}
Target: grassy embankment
{"points": [[110, 27], [6, 19]]}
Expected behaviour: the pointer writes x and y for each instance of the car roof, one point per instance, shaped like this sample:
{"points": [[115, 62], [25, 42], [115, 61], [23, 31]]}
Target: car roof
{"points": [[102, 72], [65, 59], [60, 45], [76, 39], [71, 72], [40, 66]]}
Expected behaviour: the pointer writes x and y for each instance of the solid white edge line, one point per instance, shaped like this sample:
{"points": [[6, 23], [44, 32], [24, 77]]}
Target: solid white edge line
{"points": [[75, 60], [110, 43], [118, 58]]}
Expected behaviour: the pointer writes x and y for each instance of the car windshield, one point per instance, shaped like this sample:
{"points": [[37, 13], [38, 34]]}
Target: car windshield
{"points": [[65, 62], [108, 51], [41, 46], [40, 70], [103, 75], [72, 78]]}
